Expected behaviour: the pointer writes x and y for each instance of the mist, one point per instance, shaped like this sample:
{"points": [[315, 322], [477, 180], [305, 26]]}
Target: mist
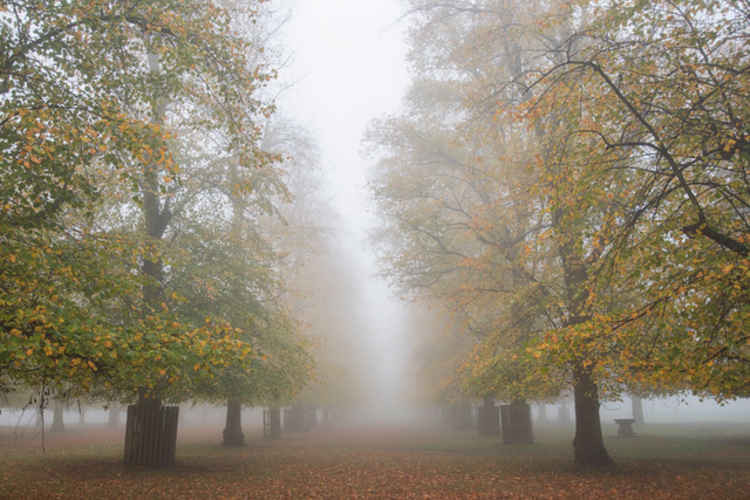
{"points": [[407, 248]]}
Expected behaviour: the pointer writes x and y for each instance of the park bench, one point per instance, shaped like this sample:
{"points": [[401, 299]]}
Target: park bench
{"points": [[625, 427]]}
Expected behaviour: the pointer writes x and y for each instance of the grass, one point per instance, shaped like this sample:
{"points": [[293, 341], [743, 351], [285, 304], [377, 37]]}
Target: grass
{"points": [[685, 461]]}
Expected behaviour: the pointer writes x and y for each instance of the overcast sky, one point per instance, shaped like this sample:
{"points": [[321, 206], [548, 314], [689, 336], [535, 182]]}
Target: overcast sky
{"points": [[348, 65]]}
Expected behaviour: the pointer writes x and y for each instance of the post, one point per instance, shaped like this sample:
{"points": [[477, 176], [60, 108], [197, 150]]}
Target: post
{"points": [[516, 423], [151, 434]]}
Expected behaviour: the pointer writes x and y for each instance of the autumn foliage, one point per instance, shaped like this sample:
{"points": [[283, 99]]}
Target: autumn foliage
{"points": [[571, 178], [133, 176]]}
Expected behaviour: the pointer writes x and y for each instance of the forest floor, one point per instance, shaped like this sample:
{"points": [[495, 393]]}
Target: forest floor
{"points": [[674, 461]]}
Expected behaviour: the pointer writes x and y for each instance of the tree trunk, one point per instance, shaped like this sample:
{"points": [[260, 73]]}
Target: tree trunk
{"points": [[459, 415], [488, 419], [113, 418], [57, 417], [150, 433], [588, 443], [275, 414], [542, 418], [39, 421], [516, 423], [233, 429], [637, 404], [81, 414]]}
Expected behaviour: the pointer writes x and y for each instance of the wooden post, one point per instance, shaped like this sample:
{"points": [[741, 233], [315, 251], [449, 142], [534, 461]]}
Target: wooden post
{"points": [[151, 435]]}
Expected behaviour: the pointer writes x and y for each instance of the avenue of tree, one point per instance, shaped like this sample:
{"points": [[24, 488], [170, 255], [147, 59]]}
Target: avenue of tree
{"points": [[565, 196]]}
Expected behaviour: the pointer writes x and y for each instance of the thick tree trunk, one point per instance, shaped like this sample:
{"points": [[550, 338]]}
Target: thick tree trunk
{"points": [[516, 423], [150, 433], [488, 421], [588, 443], [233, 429], [57, 417], [637, 404]]}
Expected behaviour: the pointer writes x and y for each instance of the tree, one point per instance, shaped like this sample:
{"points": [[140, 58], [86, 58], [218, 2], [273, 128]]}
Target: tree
{"points": [[118, 93], [668, 98], [476, 221], [616, 147]]}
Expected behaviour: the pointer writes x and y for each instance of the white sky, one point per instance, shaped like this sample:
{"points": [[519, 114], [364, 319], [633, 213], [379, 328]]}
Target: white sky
{"points": [[348, 62]]}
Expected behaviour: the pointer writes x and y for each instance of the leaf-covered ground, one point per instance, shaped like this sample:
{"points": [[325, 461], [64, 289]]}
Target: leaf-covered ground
{"points": [[392, 463]]}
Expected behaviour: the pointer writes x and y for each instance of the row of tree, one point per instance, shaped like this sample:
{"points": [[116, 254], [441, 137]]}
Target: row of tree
{"points": [[571, 179], [139, 163]]}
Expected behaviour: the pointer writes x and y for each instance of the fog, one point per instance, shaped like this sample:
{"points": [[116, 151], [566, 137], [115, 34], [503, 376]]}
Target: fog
{"points": [[345, 66]]}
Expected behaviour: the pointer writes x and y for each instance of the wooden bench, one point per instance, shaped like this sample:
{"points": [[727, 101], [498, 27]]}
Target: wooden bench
{"points": [[625, 427]]}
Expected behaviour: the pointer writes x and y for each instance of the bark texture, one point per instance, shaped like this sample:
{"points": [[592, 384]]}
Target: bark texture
{"points": [[588, 443], [233, 435], [151, 433]]}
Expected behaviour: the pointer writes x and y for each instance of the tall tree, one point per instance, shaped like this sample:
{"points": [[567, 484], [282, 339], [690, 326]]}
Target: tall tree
{"points": [[616, 146], [120, 93], [669, 97]]}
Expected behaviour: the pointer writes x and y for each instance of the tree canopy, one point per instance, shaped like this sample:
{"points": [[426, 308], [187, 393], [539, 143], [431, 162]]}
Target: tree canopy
{"points": [[572, 178], [131, 132]]}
